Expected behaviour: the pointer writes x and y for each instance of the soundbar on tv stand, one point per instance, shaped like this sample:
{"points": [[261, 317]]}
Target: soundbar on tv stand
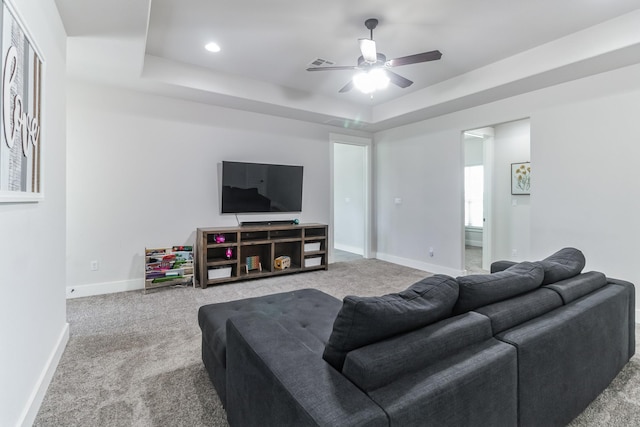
{"points": [[275, 222]]}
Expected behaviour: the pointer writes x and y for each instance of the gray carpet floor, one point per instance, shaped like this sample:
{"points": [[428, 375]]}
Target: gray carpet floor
{"points": [[134, 359]]}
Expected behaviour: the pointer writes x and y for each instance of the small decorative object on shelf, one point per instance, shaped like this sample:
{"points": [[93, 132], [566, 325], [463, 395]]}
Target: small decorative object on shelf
{"points": [[228, 253], [253, 263], [168, 266], [282, 262], [219, 238]]}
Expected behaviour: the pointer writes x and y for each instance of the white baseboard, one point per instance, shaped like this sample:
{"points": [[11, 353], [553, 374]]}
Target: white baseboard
{"points": [[39, 391], [419, 265], [104, 288], [348, 248]]}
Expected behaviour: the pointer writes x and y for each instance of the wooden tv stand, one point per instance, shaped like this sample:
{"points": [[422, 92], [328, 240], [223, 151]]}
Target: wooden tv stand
{"points": [[304, 244]]}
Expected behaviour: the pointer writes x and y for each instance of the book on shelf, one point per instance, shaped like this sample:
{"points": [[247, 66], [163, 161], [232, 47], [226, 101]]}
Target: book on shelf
{"points": [[174, 272], [184, 255]]}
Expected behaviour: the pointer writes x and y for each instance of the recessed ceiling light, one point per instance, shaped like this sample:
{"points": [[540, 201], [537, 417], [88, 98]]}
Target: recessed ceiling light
{"points": [[212, 47]]}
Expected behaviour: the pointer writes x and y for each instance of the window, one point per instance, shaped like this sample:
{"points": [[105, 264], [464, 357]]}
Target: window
{"points": [[473, 194]]}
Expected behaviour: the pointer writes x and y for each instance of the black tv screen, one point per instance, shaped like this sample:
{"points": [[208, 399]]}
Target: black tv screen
{"points": [[257, 187]]}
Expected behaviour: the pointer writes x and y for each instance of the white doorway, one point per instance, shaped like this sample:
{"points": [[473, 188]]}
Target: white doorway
{"points": [[505, 228], [350, 231]]}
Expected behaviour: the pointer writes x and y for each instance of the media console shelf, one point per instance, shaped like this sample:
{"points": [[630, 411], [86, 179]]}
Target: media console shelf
{"points": [[239, 253]]}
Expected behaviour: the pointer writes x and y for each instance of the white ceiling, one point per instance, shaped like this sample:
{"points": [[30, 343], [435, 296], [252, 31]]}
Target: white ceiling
{"points": [[491, 49]]}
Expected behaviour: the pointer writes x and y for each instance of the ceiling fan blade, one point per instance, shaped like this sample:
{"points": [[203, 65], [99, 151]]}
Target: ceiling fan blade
{"points": [[337, 67], [347, 87], [368, 50], [398, 80], [434, 55]]}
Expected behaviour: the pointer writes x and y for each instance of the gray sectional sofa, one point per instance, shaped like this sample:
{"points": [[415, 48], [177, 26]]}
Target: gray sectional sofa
{"points": [[531, 344]]}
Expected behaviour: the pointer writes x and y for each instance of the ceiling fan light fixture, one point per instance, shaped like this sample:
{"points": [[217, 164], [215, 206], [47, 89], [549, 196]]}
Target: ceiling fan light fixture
{"points": [[380, 78], [375, 73], [364, 83], [376, 79], [212, 47]]}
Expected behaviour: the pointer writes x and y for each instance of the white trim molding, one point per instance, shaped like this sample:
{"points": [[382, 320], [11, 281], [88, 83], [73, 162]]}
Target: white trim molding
{"points": [[40, 389], [104, 288], [420, 265], [348, 248]]}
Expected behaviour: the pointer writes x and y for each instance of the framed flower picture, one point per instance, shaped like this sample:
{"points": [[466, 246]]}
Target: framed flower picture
{"points": [[521, 178]]}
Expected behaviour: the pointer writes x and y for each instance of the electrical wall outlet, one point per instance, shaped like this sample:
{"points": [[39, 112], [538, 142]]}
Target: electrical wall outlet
{"points": [[94, 265], [431, 252], [514, 252]]}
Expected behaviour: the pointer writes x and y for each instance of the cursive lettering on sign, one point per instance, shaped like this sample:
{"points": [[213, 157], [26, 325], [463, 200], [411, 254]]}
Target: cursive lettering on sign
{"points": [[12, 112]]}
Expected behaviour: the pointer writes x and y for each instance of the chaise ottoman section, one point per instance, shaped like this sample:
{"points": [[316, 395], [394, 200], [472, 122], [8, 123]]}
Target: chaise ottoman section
{"points": [[274, 380], [307, 314]]}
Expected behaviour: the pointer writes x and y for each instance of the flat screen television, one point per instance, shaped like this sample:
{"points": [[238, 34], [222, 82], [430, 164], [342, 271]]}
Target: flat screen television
{"points": [[257, 187]]}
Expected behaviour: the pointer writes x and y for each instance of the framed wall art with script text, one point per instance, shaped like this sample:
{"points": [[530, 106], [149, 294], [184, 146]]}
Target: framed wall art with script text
{"points": [[20, 111]]}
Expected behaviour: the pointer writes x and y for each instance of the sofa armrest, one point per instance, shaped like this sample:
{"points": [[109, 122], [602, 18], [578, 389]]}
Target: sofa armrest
{"points": [[631, 291], [498, 266], [273, 379]]}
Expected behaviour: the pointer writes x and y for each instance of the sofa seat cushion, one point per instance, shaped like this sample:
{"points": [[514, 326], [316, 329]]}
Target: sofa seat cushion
{"points": [[308, 314], [514, 311], [578, 286], [565, 263], [378, 364], [478, 290], [365, 320]]}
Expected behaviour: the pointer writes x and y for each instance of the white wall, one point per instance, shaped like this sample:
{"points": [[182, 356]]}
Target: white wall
{"points": [[143, 172], [423, 168], [33, 330], [586, 182], [349, 197], [511, 213], [583, 147]]}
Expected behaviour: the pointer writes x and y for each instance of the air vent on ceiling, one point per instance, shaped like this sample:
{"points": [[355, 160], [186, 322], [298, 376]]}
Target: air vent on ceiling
{"points": [[320, 62]]}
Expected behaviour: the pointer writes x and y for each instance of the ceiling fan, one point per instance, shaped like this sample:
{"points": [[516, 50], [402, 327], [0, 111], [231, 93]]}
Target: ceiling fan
{"points": [[374, 67]]}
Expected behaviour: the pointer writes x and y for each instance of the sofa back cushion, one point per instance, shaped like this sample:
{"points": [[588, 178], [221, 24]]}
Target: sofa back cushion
{"points": [[522, 308], [578, 286], [365, 320], [378, 364], [478, 290], [564, 264]]}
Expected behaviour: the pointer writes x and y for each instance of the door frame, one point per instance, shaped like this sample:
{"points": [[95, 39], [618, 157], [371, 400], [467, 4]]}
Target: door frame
{"points": [[367, 143], [487, 202], [487, 135]]}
